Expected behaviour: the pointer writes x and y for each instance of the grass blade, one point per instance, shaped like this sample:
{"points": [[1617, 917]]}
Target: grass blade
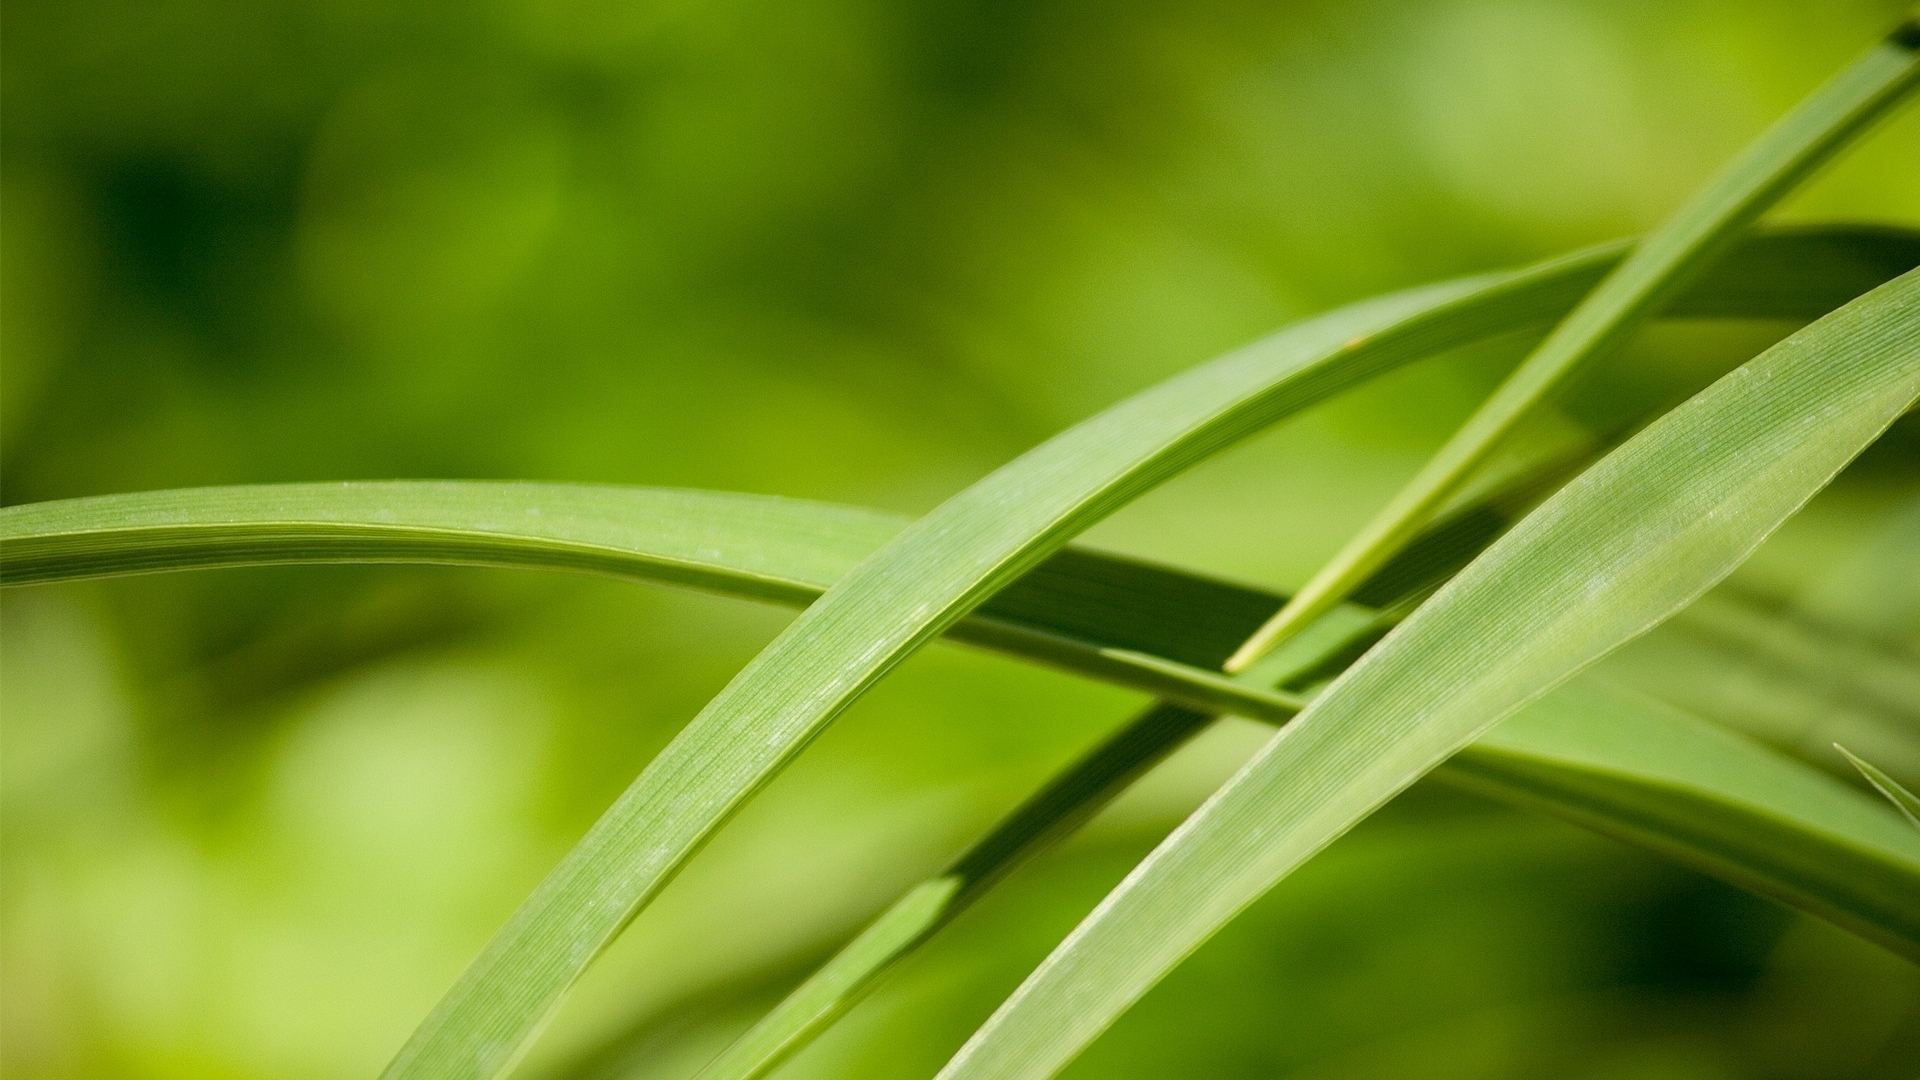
{"points": [[1903, 800], [490, 1016], [1620, 764], [1793, 273], [902, 596], [1697, 234], [1632, 540], [789, 551], [908, 592], [1105, 617]]}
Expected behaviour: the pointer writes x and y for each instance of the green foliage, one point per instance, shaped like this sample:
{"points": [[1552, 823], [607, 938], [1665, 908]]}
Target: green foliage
{"points": [[1631, 541], [701, 247]]}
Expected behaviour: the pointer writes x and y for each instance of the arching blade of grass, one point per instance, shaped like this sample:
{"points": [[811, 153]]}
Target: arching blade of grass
{"points": [[1823, 859], [1801, 141], [1617, 763], [1635, 538], [1106, 617], [789, 551], [930, 575], [1623, 765], [896, 600], [1905, 801]]}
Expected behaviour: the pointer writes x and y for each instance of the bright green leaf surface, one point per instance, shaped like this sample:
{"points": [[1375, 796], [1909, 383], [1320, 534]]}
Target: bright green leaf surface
{"points": [[1630, 768], [1651, 776], [904, 595], [929, 576], [1634, 539]]}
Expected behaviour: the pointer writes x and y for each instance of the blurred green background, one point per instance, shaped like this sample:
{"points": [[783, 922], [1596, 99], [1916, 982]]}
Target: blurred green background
{"points": [[864, 250]]}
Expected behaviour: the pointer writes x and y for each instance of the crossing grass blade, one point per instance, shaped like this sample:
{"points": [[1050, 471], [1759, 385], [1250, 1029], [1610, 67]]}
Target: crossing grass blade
{"points": [[934, 572], [1619, 763], [1634, 539], [1664, 262], [1903, 800], [789, 551], [905, 594]]}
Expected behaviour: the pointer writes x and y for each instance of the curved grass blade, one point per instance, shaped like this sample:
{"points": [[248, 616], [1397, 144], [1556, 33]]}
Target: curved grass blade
{"points": [[1903, 800], [896, 600], [1634, 539], [914, 588], [1698, 233], [1105, 617], [787, 550], [1622, 765]]}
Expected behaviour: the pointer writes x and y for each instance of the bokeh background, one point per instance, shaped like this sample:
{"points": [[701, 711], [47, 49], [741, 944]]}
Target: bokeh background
{"points": [[864, 250]]}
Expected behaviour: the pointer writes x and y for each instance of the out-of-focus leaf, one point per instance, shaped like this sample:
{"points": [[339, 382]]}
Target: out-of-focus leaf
{"points": [[1635, 538]]}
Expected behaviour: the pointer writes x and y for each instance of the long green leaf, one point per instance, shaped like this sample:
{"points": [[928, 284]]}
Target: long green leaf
{"points": [[1618, 763], [775, 549], [908, 592], [930, 575], [1114, 619], [790, 551], [1631, 541], [1596, 767], [1663, 263], [754, 546]]}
